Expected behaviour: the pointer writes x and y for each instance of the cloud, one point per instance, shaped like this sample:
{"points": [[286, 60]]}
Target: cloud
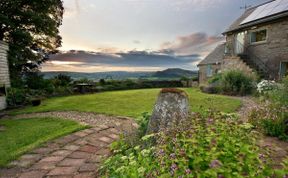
{"points": [[196, 43], [123, 61], [136, 42]]}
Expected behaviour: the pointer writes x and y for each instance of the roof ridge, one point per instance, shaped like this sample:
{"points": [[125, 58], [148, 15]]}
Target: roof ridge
{"points": [[260, 4]]}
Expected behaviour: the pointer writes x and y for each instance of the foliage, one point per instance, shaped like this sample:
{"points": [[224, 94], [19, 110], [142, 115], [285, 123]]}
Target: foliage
{"points": [[129, 103], [31, 29], [271, 119], [207, 145], [272, 115], [143, 123], [22, 135], [236, 83], [265, 86], [62, 80], [233, 82], [16, 97], [111, 85], [35, 81], [280, 94], [216, 78]]}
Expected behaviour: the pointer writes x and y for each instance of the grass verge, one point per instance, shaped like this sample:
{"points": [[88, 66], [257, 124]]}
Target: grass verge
{"points": [[130, 103], [22, 135]]}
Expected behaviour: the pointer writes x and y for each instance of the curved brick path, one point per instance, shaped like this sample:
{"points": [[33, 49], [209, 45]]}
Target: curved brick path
{"points": [[77, 155]]}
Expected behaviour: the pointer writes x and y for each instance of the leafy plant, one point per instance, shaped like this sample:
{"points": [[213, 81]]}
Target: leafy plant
{"points": [[62, 80], [212, 144], [235, 82], [279, 95], [271, 119], [16, 97]]}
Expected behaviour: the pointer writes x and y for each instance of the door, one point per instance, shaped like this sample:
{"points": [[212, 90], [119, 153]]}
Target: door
{"points": [[239, 43], [283, 69]]}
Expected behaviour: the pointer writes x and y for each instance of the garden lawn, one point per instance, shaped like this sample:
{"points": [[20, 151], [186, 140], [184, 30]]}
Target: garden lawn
{"points": [[22, 135], [131, 103]]}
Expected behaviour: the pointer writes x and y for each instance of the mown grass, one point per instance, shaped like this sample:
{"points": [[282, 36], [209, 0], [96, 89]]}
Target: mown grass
{"points": [[129, 103], [22, 135]]}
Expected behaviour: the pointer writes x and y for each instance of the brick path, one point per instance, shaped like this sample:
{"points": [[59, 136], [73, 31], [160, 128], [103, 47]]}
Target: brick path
{"points": [[77, 155]]}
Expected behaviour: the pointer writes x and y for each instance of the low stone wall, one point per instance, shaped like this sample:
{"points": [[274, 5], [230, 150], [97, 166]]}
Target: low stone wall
{"points": [[4, 73]]}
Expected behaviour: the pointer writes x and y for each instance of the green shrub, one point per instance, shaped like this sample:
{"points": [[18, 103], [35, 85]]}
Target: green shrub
{"points": [[209, 145], [272, 119], [215, 79], [16, 97], [235, 82], [280, 94], [35, 81], [62, 80]]}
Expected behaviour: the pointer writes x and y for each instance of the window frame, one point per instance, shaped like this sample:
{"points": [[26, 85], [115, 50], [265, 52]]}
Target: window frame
{"points": [[255, 31], [209, 70]]}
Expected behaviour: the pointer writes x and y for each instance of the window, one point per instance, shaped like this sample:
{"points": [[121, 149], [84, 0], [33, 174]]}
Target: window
{"points": [[209, 71], [258, 36], [2, 90], [283, 69]]}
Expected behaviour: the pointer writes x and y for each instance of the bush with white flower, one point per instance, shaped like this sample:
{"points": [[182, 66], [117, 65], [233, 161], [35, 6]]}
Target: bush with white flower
{"points": [[266, 85]]}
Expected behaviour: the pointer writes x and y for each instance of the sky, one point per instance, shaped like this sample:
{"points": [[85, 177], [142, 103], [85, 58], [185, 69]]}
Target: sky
{"points": [[141, 35]]}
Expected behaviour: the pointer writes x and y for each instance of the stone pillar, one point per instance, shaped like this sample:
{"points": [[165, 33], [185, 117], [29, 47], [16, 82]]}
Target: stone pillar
{"points": [[4, 74], [172, 108]]}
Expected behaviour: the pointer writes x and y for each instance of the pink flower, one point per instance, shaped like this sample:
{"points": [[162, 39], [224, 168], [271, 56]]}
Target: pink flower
{"points": [[215, 164]]}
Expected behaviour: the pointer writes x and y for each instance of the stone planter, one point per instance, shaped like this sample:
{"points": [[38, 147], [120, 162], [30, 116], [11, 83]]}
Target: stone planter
{"points": [[171, 109]]}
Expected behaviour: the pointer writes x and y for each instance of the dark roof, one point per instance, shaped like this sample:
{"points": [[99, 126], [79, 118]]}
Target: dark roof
{"points": [[215, 57], [236, 25]]}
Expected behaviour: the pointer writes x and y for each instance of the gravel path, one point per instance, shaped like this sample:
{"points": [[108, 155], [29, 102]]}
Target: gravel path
{"points": [[73, 156], [248, 103], [123, 123]]}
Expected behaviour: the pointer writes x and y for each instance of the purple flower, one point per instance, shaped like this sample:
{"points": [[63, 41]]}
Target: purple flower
{"points": [[215, 164], [188, 171], [173, 168], [161, 152], [173, 155], [213, 142], [210, 121], [261, 156], [220, 176]]}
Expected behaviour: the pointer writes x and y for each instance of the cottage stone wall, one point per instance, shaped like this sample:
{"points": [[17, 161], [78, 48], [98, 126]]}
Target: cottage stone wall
{"points": [[272, 51], [203, 78], [4, 72]]}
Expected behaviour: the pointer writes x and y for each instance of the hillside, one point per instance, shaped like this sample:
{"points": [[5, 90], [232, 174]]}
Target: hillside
{"points": [[175, 73], [172, 73], [117, 75]]}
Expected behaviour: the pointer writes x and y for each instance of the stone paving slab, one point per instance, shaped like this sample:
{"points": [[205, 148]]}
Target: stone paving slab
{"points": [[77, 155]]}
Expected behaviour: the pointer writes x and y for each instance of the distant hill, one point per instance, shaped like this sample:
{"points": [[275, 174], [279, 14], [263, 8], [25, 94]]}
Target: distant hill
{"points": [[175, 73], [117, 75], [121, 75]]}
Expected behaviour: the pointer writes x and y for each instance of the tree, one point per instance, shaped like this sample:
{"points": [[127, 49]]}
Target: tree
{"points": [[31, 29]]}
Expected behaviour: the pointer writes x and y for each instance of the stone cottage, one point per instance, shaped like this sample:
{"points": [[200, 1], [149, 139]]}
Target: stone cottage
{"points": [[212, 63], [4, 74], [257, 41]]}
